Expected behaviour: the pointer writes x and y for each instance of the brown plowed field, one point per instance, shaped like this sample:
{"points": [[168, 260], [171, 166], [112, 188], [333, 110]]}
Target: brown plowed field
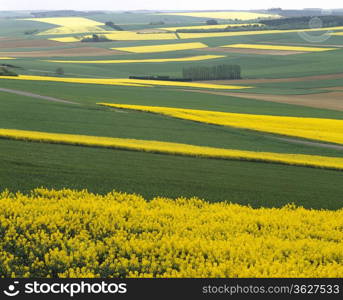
{"points": [[332, 100], [336, 88], [12, 44], [68, 52]]}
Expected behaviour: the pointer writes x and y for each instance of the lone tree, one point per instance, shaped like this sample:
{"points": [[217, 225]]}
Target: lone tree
{"points": [[212, 22], [59, 71], [114, 26]]}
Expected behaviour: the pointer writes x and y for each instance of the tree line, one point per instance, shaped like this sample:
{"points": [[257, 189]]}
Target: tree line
{"points": [[273, 24], [218, 72], [303, 22]]}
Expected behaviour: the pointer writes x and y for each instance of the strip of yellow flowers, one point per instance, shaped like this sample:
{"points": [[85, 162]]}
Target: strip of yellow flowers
{"points": [[328, 130], [327, 31], [74, 80], [125, 82], [162, 48], [134, 36], [175, 148], [219, 26], [278, 47], [148, 60], [69, 39], [79, 234]]}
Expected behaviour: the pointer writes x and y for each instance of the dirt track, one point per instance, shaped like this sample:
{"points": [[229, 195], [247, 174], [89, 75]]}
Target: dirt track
{"points": [[27, 94], [316, 144], [332, 100]]}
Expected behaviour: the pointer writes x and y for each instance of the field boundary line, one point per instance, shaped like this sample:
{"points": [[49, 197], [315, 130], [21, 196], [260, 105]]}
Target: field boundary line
{"points": [[32, 95]]}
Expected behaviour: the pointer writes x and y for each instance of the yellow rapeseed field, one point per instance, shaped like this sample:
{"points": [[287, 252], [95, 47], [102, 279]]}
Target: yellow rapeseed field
{"points": [[124, 82], [328, 130], [219, 26], [6, 58], [134, 36], [75, 80], [257, 32], [68, 39], [225, 15], [149, 60], [278, 47], [67, 233], [337, 33], [175, 148], [185, 84], [69, 25], [67, 21], [162, 48], [72, 30]]}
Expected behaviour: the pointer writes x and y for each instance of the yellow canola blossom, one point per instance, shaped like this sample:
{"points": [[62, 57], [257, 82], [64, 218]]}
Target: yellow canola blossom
{"points": [[72, 30], [67, 21], [66, 233], [254, 32], [174, 148], [327, 130], [75, 80], [6, 58], [278, 47], [185, 84], [337, 33], [225, 15], [219, 26], [150, 60], [134, 36], [125, 82], [162, 48], [69, 25], [69, 39]]}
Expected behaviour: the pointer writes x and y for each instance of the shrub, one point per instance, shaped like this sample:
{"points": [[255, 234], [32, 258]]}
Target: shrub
{"points": [[4, 71], [59, 71], [212, 22]]}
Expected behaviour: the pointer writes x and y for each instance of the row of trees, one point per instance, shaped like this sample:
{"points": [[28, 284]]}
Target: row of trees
{"points": [[274, 24], [218, 72], [229, 28], [95, 38], [303, 22]]}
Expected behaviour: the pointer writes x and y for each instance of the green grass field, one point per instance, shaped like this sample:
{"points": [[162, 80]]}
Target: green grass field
{"points": [[26, 165]]}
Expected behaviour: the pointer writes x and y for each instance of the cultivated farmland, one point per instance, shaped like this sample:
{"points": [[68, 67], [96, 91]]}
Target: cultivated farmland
{"points": [[120, 130]]}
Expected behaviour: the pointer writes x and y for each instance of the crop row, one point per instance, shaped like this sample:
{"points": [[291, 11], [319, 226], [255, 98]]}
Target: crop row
{"points": [[175, 148]]}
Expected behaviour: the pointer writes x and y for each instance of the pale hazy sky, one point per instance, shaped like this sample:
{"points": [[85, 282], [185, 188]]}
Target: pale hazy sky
{"points": [[163, 4]]}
